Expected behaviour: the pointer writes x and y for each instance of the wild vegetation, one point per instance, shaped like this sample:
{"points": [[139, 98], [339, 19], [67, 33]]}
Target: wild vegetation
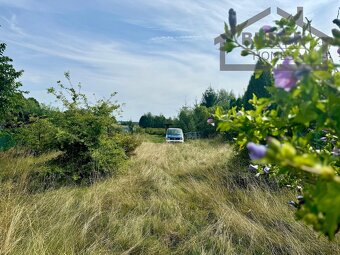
{"points": [[74, 181], [87, 136], [195, 198], [293, 134]]}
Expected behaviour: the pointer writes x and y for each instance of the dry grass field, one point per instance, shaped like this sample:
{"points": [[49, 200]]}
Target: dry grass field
{"points": [[191, 198]]}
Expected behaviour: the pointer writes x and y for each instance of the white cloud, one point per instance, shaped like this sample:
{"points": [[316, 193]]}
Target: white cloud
{"points": [[156, 75]]}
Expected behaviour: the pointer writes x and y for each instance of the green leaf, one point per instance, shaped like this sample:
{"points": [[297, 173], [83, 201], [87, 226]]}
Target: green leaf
{"points": [[226, 28], [246, 43], [258, 73], [336, 33], [337, 79], [228, 47], [218, 111], [259, 40], [244, 53]]}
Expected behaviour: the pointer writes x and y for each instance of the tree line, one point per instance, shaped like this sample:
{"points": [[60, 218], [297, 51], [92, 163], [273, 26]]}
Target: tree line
{"points": [[90, 142], [194, 118]]}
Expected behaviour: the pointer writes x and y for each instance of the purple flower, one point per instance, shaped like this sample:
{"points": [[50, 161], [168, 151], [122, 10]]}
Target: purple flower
{"points": [[266, 170], [253, 167], [256, 151], [285, 75], [338, 51], [292, 203], [267, 29], [300, 198], [211, 121], [336, 152], [323, 139]]}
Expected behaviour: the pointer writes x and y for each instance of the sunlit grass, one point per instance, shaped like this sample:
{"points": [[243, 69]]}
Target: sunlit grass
{"points": [[191, 198]]}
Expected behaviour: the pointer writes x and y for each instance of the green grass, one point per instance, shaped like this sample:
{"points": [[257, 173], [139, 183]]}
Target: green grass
{"points": [[191, 198]]}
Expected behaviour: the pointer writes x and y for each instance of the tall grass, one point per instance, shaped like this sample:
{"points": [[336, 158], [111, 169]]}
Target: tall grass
{"points": [[192, 198]]}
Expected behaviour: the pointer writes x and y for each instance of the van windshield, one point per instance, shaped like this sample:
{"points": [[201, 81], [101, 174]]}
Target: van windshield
{"points": [[174, 131]]}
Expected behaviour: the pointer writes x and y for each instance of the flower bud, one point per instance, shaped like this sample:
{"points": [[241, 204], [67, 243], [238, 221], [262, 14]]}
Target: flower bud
{"points": [[301, 199], [293, 204], [253, 167], [336, 152], [266, 170], [211, 121], [323, 139], [232, 21], [267, 29], [293, 39], [337, 22]]}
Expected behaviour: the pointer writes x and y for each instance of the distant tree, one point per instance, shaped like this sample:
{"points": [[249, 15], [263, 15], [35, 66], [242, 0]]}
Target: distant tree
{"points": [[258, 86], [146, 121], [200, 116], [238, 103], [154, 121], [159, 121], [9, 87], [186, 120], [143, 121], [209, 98], [22, 111], [225, 99]]}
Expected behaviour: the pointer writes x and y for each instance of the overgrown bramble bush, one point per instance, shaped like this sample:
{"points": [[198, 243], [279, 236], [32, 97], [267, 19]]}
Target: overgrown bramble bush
{"points": [[294, 134], [87, 135]]}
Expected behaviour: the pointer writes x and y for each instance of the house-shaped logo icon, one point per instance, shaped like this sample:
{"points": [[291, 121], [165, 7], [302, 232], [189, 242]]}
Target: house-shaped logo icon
{"points": [[254, 19]]}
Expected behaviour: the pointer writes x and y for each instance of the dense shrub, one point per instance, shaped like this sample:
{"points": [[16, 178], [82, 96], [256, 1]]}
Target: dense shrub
{"points": [[127, 142], [87, 135], [37, 137], [6, 140], [281, 131], [155, 131]]}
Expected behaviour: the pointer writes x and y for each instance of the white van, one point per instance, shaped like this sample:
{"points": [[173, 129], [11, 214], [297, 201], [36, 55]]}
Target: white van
{"points": [[174, 135]]}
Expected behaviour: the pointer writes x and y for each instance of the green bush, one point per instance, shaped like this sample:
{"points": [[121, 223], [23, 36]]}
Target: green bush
{"points": [[128, 142], [283, 132], [155, 131], [6, 141], [38, 137], [87, 135]]}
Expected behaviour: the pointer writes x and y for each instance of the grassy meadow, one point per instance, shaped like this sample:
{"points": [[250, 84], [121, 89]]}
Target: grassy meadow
{"points": [[191, 198]]}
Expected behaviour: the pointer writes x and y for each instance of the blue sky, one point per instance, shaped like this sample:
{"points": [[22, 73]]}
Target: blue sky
{"points": [[157, 54]]}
